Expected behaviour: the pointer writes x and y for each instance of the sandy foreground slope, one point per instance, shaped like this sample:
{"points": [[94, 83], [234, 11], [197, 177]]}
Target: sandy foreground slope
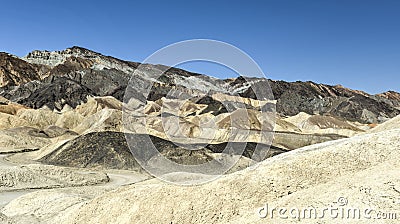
{"points": [[362, 171]]}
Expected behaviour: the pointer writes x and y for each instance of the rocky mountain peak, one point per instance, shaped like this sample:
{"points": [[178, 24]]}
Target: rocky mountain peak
{"points": [[70, 75], [392, 95], [98, 61], [54, 58], [14, 71]]}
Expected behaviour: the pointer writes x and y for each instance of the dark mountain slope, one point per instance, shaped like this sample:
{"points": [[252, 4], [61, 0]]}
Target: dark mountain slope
{"points": [[109, 150], [54, 79], [14, 71], [312, 98]]}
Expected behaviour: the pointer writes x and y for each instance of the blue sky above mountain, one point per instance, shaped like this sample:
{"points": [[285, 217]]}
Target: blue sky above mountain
{"points": [[353, 43]]}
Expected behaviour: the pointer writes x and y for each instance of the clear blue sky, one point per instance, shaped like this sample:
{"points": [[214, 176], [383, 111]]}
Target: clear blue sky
{"points": [[353, 43]]}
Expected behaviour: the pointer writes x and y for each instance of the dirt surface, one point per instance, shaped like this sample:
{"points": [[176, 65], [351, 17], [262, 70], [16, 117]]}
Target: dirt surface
{"points": [[363, 169], [17, 180]]}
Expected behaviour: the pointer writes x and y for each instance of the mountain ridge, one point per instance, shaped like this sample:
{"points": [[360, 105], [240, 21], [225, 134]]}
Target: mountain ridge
{"points": [[84, 73], [85, 52]]}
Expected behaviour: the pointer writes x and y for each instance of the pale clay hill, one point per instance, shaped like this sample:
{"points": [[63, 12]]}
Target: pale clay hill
{"points": [[363, 169], [64, 156], [105, 114]]}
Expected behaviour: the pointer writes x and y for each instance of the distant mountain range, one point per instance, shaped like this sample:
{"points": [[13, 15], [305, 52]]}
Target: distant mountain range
{"points": [[66, 78]]}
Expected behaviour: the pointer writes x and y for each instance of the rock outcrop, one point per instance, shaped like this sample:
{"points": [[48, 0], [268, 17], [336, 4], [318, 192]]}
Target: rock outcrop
{"points": [[14, 71], [109, 150], [312, 98], [71, 75]]}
